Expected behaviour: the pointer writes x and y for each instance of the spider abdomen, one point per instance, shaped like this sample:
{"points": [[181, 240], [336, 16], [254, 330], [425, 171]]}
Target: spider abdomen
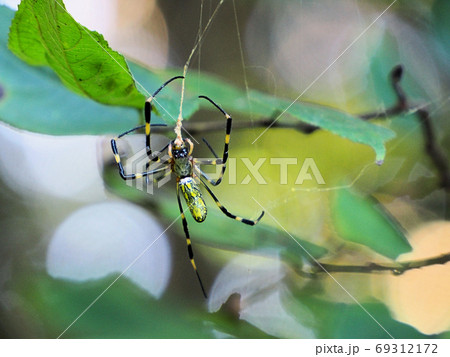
{"points": [[194, 198]]}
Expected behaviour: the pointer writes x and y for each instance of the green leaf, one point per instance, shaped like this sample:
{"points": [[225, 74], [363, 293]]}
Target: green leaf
{"points": [[43, 33], [167, 102], [263, 105], [338, 320], [74, 53], [365, 221], [34, 99], [380, 63], [441, 26], [125, 311]]}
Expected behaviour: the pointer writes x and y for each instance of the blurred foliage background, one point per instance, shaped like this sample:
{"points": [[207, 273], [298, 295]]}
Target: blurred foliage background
{"points": [[86, 256]]}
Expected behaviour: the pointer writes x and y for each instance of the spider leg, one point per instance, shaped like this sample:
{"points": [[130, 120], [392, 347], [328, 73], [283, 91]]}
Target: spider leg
{"points": [[205, 176], [126, 176], [217, 161], [148, 114], [227, 140], [226, 212], [160, 175], [188, 241], [156, 159], [210, 148], [137, 128], [208, 162]]}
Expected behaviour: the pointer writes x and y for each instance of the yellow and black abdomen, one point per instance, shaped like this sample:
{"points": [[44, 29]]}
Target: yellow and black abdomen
{"points": [[194, 198]]}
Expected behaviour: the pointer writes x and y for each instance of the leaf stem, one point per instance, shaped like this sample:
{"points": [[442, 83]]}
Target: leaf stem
{"points": [[397, 268]]}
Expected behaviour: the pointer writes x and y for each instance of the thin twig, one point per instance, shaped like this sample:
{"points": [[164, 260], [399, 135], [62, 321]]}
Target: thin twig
{"points": [[433, 150], [401, 106], [179, 139], [396, 268]]}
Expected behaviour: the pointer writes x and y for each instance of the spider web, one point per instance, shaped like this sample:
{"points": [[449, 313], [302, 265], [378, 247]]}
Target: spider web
{"points": [[204, 25], [351, 180], [247, 286]]}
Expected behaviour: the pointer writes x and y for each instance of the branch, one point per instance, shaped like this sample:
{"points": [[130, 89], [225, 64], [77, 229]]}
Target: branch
{"points": [[203, 127], [397, 268], [401, 106], [433, 150], [398, 108]]}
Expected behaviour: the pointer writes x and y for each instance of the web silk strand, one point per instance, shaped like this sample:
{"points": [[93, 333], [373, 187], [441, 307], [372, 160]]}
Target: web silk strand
{"points": [[178, 126]]}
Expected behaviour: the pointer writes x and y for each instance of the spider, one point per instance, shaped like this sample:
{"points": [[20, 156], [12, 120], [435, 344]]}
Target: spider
{"points": [[189, 176]]}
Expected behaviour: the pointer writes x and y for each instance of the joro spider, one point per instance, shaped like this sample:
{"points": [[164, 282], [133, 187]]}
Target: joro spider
{"points": [[186, 169]]}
